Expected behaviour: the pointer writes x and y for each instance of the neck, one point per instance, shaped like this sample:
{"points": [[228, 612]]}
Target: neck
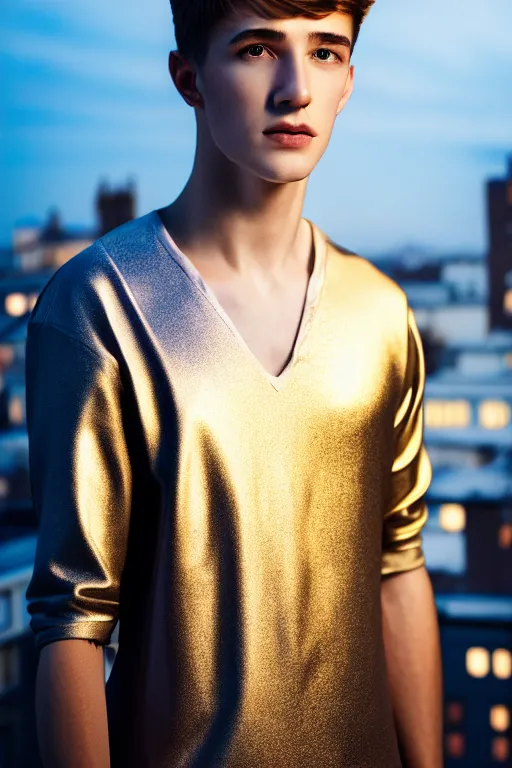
{"points": [[225, 213]]}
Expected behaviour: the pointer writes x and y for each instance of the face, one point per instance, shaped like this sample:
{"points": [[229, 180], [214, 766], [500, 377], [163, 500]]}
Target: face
{"points": [[249, 82]]}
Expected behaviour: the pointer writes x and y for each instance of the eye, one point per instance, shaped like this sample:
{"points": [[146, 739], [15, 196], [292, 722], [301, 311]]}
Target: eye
{"points": [[249, 48], [328, 50]]}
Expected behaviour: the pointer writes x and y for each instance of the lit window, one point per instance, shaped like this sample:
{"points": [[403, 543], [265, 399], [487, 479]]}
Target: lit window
{"points": [[477, 662], [494, 414], [447, 413], [6, 356], [32, 300], [454, 712], [507, 302], [502, 663], [16, 304], [16, 410], [4, 487], [505, 536], [500, 749], [452, 517], [500, 718], [454, 744]]}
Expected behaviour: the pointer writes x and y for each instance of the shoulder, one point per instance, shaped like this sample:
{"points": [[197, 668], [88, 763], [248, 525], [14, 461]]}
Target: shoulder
{"points": [[361, 293], [364, 275], [83, 284], [87, 297]]}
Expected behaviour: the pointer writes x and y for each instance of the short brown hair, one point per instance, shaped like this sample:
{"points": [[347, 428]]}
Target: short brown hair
{"points": [[195, 19]]}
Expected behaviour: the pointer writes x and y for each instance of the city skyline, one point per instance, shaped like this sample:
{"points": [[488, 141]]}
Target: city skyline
{"points": [[427, 125]]}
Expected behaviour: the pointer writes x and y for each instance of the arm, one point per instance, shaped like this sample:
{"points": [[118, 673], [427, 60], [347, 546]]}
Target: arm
{"points": [[410, 630], [71, 709], [413, 656], [80, 477]]}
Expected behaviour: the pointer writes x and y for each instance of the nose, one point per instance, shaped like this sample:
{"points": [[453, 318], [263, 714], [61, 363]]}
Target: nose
{"points": [[293, 85]]}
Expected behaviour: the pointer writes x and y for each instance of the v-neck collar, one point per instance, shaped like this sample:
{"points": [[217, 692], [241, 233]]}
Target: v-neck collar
{"points": [[314, 290]]}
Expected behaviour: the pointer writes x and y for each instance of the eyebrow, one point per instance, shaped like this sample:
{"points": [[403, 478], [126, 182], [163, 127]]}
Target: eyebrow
{"points": [[276, 36]]}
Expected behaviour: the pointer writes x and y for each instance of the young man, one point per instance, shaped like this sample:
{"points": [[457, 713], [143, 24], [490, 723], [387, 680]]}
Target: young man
{"points": [[225, 421]]}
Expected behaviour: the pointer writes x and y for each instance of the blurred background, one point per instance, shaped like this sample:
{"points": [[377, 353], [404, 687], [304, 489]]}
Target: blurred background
{"points": [[417, 178]]}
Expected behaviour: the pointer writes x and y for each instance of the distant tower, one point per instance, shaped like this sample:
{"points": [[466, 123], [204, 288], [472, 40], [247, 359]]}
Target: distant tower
{"points": [[499, 201], [114, 206], [52, 230]]}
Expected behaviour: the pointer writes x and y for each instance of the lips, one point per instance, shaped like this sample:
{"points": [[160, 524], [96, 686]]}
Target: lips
{"points": [[283, 127]]}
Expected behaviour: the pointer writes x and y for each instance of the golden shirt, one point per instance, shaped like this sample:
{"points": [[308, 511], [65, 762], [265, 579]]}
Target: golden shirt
{"points": [[236, 524]]}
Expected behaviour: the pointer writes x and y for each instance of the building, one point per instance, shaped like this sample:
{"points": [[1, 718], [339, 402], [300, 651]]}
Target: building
{"points": [[499, 208], [114, 206], [37, 251], [39, 248], [476, 639]]}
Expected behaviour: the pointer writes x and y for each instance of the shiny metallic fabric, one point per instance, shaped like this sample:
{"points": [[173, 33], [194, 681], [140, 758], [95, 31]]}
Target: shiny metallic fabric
{"points": [[237, 524]]}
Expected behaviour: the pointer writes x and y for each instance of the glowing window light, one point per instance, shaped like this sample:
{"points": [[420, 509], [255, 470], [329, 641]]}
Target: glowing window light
{"points": [[500, 749], [31, 300], [500, 718], [507, 302], [502, 663], [6, 355], [505, 536], [452, 518], [4, 487], [16, 304], [447, 413], [454, 712], [454, 744], [16, 410], [494, 414], [477, 662]]}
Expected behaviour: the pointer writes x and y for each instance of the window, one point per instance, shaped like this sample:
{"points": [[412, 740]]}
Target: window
{"points": [[454, 712], [454, 745], [502, 663], [7, 356], [16, 304], [16, 410], [477, 662], [447, 413], [500, 749], [494, 414], [505, 536], [499, 718], [4, 487], [452, 517]]}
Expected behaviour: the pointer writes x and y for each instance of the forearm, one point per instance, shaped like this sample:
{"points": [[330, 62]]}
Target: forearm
{"points": [[413, 656], [71, 706]]}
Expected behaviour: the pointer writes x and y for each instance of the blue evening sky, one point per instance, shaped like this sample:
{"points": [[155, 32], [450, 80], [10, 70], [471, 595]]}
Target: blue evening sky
{"points": [[86, 95]]}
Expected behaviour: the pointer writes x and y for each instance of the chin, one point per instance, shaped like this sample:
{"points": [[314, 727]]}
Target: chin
{"points": [[285, 172]]}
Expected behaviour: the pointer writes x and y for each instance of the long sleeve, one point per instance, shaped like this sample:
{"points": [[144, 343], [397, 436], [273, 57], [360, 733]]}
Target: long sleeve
{"points": [[81, 486], [411, 471]]}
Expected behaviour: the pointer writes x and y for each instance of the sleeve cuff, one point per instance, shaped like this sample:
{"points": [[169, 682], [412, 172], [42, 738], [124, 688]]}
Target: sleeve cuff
{"points": [[399, 561], [98, 631]]}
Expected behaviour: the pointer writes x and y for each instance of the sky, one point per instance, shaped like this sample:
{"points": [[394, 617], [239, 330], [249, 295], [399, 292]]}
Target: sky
{"points": [[86, 96]]}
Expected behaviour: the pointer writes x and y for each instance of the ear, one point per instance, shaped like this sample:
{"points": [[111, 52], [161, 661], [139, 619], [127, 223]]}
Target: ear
{"points": [[349, 87], [184, 77]]}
